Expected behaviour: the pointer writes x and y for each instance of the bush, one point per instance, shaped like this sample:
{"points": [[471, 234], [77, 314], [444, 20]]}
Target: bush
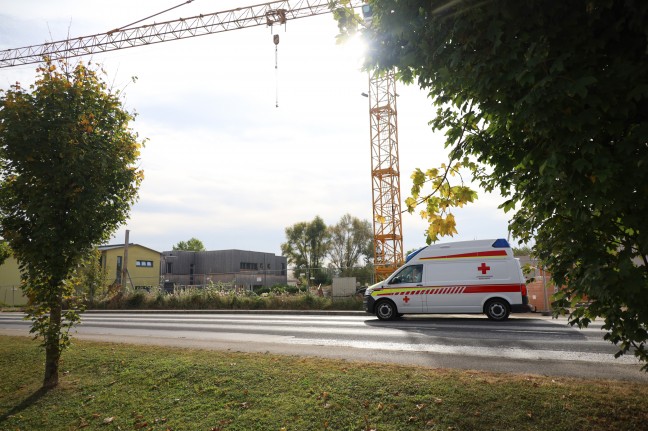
{"points": [[262, 290], [136, 300]]}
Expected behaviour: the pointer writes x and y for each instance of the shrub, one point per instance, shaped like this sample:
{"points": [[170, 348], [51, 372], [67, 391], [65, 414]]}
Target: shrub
{"points": [[136, 299]]}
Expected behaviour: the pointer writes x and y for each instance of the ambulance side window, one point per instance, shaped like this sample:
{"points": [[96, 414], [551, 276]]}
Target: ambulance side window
{"points": [[409, 274]]}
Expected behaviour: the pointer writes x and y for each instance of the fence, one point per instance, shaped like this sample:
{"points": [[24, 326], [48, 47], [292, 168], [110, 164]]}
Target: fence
{"points": [[245, 280]]}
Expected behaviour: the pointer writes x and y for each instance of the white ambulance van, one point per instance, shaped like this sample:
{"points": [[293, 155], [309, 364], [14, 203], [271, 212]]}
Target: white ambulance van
{"points": [[461, 277]]}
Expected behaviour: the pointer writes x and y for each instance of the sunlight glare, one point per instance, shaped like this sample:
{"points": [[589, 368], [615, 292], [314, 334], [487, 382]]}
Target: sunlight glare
{"points": [[353, 50]]}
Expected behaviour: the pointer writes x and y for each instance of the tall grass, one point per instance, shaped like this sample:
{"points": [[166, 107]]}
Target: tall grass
{"points": [[221, 298]]}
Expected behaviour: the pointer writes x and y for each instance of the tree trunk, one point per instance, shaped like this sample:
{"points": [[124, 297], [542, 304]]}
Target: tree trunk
{"points": [[52, 345]]}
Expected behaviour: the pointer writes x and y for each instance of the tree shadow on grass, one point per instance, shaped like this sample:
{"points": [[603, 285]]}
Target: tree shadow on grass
{"points": [[24, 404]]}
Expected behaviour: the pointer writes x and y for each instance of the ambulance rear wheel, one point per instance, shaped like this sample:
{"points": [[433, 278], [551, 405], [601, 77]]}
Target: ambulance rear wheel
{"points": [[497, 309], [386, 310]]}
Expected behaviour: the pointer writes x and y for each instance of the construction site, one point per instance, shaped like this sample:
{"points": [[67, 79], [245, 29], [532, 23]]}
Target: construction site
{"points": [[270, 126]]}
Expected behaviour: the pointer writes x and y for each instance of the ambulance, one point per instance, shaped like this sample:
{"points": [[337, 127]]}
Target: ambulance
{"points": [[461, 277]]}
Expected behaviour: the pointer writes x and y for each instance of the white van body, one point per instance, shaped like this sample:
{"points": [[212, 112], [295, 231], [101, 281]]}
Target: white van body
{"points": [[461, 277]]}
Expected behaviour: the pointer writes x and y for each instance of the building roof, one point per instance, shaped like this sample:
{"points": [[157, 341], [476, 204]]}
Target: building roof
{"points": [[118, 246], [219, 251]]}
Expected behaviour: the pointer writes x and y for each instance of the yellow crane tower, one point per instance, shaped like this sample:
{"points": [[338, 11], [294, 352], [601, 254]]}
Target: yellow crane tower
{"points": [[385, 174]]}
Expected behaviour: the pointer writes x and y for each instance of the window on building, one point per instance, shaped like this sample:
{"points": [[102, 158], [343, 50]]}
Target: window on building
{"points": [[249, 266], [144, 263]]}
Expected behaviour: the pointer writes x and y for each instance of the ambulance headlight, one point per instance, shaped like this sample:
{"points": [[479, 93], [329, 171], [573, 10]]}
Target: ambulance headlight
{"points": [[372, 288]]}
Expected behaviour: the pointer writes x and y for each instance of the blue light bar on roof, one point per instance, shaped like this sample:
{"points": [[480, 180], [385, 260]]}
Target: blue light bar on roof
{"points": [[501, 243], [412, 254]]}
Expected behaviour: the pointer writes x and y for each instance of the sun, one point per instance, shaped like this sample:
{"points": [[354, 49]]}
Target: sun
{"points": [[353, 50]]}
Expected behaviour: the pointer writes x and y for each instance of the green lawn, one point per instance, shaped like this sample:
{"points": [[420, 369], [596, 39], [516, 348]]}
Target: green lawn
{"points": [[123, 387]]}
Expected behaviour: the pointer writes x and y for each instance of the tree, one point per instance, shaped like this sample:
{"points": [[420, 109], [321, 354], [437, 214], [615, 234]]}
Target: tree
{"points": [[194, 244], [551, 98], [90, 278], [524, 250], [68, 181], [351, 239], [306, 246], [5, 251]]}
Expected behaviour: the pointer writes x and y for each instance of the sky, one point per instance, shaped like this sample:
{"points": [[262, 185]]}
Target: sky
{"points": [[222, 162]]}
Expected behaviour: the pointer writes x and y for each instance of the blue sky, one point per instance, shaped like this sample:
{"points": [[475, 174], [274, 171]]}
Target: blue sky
{"points": [[222, 163]]}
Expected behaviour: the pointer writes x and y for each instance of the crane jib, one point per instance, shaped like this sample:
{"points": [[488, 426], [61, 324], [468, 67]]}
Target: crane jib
{"points": [[262, 14]]}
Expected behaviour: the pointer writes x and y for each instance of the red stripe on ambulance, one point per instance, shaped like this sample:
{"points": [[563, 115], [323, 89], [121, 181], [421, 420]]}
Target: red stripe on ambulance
{"points": [[489, 253], [493, 288]]}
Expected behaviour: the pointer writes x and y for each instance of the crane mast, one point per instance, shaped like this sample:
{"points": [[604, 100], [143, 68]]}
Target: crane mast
{"points": [[385, 174], [388, 246]]}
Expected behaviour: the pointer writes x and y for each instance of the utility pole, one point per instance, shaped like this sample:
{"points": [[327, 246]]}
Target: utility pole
{"points": [[125, 263]]}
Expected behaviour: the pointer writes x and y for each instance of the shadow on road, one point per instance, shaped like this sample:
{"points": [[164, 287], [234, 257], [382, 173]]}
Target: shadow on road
{"points": [[480, 327]]}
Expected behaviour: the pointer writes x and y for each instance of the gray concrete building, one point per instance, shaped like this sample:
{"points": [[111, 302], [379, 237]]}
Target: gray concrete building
{"points": [[239, 268]]}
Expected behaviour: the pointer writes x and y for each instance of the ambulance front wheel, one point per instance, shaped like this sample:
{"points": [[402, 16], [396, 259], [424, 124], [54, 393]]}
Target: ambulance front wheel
{"points": [[386, 310], [497, 309]]}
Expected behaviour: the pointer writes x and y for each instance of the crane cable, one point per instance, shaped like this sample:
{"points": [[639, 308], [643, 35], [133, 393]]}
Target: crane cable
{"points": [[275, 39], [152, 16]]}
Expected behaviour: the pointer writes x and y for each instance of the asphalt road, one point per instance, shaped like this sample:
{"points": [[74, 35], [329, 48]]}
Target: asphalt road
{"points": [[529, 344]]}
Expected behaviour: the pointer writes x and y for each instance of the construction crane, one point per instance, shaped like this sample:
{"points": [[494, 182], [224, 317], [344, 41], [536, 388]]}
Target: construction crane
{"points": [[387, 226], [385, 174]]}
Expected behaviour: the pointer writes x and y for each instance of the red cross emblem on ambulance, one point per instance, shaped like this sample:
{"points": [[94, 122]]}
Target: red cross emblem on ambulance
{"points": [[483, 268]]}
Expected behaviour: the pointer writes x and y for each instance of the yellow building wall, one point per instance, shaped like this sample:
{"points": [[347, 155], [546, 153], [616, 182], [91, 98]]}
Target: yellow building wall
{"points": [[10, 292], [143, 265]]}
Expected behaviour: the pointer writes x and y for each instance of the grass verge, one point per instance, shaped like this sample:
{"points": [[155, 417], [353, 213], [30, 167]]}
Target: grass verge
{"points": [[123, 387]]}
